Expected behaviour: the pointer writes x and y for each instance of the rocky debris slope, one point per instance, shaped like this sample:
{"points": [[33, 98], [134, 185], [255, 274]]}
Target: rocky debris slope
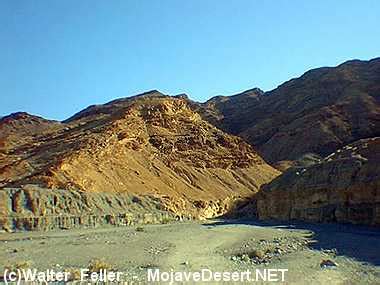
{"points": [[148, 145], [344, 187], [319, 112]]}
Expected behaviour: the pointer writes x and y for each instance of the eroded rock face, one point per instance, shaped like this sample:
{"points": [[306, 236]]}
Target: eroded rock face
{"points": [[344, 187], [319, 112], [150, 144], [34, 208]]}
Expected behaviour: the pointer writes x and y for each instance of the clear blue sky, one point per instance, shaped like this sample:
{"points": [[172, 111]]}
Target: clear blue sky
{"points": [[57, 57]]}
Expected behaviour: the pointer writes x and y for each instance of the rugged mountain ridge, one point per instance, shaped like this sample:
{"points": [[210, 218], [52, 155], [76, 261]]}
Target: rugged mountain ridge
{"points": [[151, 145], [323, 127], [317, 113], [152, 157]]}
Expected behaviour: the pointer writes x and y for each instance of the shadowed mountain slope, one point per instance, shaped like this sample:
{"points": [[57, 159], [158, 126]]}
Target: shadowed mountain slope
{"points": [[319, 112]]}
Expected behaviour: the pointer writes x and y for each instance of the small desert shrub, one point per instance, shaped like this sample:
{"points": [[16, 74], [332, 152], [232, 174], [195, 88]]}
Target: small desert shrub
{"points": [[74, 274], [24, 264], [256, 253], [165, 220], [96, 265]]}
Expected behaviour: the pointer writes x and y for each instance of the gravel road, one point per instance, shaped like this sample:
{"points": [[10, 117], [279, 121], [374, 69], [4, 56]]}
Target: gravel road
{"points": [[313, 254]]}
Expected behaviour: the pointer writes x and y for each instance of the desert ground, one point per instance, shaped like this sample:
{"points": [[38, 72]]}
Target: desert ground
{"points": [[313, 254]]}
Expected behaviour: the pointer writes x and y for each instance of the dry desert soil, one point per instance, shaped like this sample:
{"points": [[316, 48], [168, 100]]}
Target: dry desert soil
{"points": [[350, 252]]}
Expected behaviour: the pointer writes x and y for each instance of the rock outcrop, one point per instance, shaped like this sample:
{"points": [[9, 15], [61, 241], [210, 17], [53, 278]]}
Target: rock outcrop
{"points": [[151, 145], [344, 187], [34, 208]]}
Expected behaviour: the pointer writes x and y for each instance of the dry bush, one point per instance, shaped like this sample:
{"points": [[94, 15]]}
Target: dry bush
{"points": [[96, 265], [74, 274], [166, 220], [24, 264], [256, 253]]}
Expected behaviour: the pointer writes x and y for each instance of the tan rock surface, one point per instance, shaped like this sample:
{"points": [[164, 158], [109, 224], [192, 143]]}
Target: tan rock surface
{"points": [[150, 144]]}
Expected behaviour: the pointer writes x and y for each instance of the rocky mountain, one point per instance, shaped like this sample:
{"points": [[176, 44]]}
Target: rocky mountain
{"points": [[19, 128], [154, 157], [150, 152], [317, 113], [344, 187], [321, 129], [229, 112]]}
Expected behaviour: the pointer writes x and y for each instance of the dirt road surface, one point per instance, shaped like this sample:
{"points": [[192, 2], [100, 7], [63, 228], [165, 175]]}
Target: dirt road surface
{"points": [[313, 254]]}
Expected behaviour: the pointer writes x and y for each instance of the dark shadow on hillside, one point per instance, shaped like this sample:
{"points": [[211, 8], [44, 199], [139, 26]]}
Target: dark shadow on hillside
{"points": [[359, 242]]}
